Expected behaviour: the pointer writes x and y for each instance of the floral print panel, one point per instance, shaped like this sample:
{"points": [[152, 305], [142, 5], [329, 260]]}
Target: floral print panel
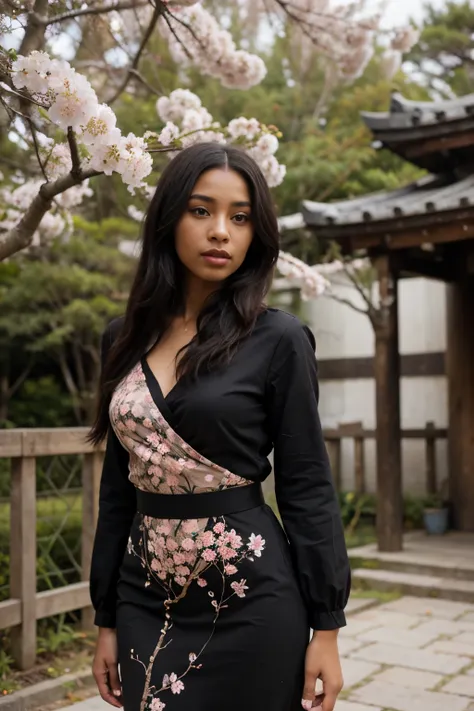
{"points": [[160, 461]]}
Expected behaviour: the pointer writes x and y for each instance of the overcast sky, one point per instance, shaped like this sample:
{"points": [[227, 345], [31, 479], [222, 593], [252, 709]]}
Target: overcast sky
{"points": [[399, 11]]}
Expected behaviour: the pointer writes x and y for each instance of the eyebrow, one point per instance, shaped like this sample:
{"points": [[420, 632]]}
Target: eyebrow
{"points": [[206, 198]]}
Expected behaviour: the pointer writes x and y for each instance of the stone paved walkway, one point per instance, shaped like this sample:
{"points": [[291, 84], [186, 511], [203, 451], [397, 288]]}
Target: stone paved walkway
{"points": [[413, 653]]}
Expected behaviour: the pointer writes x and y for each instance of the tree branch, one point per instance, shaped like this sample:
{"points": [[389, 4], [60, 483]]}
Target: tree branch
{"points": [[346, 302], [21, 235], [76, 160], [157, 12], [63, 17]]}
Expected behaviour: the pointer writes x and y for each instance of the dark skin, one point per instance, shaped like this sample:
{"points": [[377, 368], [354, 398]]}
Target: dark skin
{"points": [[218, 217]]}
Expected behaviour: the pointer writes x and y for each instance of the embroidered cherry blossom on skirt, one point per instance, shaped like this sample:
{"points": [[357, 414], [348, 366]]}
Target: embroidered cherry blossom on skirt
{"points": [[209, 614]]}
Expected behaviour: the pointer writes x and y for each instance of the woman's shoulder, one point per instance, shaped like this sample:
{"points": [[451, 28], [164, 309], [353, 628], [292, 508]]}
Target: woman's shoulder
{"points": [[287, 329]]}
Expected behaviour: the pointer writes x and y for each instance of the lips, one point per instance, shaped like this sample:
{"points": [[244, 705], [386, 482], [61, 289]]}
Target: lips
{"points": [[217, 253]]}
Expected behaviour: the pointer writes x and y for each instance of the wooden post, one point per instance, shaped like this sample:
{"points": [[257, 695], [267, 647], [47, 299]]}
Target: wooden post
{"points": [[387, 384], [91, 474], [334, 453], [460, 371], [359, 463], [430, 443], [23, 558]]}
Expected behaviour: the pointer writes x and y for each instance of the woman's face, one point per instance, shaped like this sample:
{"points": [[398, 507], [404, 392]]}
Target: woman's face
{"points": [[215, 232]]}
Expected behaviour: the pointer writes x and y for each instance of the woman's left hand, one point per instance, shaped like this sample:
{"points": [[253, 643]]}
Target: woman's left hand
{"points": [[322, 662]]}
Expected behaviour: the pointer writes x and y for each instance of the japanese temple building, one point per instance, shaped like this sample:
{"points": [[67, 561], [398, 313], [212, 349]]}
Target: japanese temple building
{"points": [[423, 229]]}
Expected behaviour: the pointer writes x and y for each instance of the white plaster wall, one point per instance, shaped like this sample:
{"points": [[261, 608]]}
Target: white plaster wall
{"points": [[341, 332]]}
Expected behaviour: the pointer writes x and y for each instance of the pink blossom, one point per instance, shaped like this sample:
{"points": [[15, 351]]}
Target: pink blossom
{"points": [[153, 439], [164, 448], [130, 425], [233, 539], [207, 538], [172, 480], [239, 588], [155, 564], [157, 705], [219, 528], [179, 580], [190, 557], [124, 409], [226, 553], [182, 570], [156, 458], [188, 544], [137, 410], [171, 544], [162, 575], [209, 478], [192, 657], [155, 470], [147, 423], [173, 466], [154, 413], [191, 525], [201, 582], [177, 687], [164, 527], [179, 558], [256, 544], [230, 569], [208, 555]]}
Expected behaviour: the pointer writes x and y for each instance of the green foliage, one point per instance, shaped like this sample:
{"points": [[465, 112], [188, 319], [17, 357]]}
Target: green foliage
{"points": [[445, 49]]}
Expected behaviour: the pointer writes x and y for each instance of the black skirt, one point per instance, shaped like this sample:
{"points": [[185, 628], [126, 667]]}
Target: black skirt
{"points": [[230, 637]]}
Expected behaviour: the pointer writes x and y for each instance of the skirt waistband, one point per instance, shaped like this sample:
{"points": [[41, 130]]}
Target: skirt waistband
{"points": [[210, 505]]}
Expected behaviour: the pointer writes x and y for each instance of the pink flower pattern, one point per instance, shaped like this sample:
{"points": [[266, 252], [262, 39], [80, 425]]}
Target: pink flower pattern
{"points": [[174, 553]]}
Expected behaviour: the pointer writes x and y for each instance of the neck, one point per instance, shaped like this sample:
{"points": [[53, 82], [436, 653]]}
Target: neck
{"points": [[197, 291]]}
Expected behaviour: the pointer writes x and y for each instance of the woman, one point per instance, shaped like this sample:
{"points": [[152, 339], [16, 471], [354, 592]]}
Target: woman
{"points": [[200, 598]]}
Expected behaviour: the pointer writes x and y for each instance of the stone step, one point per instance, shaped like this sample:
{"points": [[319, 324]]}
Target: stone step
{"points": [[399, 564], [414, 584]]}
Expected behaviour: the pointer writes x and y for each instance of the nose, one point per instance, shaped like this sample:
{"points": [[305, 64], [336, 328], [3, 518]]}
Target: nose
{"points": [[218, 231]]}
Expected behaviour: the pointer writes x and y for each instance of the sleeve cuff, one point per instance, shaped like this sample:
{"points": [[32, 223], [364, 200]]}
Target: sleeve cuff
{"points": [[104, 619], [328, 620]]}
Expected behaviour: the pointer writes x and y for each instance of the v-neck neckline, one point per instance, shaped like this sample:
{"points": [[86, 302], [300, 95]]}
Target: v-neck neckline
{"points": [[160, 400]]}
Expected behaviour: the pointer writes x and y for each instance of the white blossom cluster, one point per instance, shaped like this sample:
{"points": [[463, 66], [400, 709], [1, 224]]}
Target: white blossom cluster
{"points": [[309, 279], [188, 122], [194, 36], [71, 102], [345, 34], [55, 223]]}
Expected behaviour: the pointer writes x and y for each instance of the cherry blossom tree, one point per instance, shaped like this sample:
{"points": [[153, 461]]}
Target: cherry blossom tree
{"points": [[65, 116]]}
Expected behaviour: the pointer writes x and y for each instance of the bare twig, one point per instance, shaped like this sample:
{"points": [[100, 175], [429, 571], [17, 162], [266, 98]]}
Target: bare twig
{"points": [[91, 10], [346, 302], [142, 79], [157, 12]]}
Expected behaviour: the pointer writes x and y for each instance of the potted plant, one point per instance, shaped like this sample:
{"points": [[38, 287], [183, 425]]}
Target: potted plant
{"points": [[435, 515]]}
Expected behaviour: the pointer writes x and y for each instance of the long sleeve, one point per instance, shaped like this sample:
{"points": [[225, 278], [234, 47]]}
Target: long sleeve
{"points": [[303, 483], [117, 507]]}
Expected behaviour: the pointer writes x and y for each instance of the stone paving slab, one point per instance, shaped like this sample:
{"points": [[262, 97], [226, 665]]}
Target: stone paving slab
{"points": [[461, 685], [431, 607], [399, 698], [356, 670], [352, 706], [347, 645], [381, 617], [357, 604], [410, 678], [421, 659], [95, 704], [406, 638], [452, 647]]}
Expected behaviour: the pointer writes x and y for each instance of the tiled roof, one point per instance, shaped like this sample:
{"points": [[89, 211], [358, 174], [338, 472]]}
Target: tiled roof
{"points": [[427, 195], [406, 114]]}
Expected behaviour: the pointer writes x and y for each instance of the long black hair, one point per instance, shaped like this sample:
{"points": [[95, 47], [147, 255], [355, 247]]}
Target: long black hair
{"points": [[157, 294]]}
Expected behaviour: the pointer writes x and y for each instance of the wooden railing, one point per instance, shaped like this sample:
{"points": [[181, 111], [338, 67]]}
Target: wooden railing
{"points": [[25, 605], [356, 432]]}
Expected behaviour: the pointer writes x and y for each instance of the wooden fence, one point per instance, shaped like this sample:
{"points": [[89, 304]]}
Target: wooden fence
{"points": [[25, 605]]}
